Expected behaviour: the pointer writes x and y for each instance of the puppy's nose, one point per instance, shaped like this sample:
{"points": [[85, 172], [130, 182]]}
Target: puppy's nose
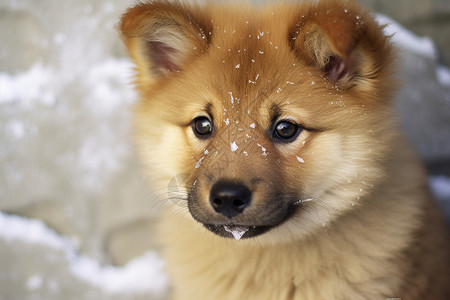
{"points": [[229, 198]]}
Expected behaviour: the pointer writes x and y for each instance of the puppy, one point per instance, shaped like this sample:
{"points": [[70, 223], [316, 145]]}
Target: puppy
{"points": [[295, 184]]}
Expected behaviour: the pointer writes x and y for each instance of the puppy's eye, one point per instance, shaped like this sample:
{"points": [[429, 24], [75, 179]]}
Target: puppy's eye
{"points": [[202, 127], [286, 131]]}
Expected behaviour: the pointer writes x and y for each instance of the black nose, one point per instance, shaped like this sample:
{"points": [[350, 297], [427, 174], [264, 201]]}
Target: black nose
{"points": [[229, 198]]}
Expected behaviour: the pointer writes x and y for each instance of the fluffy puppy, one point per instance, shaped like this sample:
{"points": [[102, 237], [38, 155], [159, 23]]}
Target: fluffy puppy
{"points": [[295, 183]]}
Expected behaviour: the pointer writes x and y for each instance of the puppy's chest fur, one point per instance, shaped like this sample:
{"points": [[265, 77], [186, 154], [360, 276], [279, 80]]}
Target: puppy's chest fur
{"points": [[342, 262]]}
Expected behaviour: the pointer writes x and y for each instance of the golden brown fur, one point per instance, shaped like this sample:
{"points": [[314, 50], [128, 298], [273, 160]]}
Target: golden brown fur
{"points": [[349, 212]]}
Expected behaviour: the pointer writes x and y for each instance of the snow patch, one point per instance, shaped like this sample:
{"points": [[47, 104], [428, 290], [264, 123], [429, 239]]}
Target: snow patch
{"points": [[28, 87], [443, 75], [34, 283], [405, 39], [440, 186], [143, 274]]}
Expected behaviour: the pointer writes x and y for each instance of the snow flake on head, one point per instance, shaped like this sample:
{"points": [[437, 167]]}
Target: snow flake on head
{"points": [[199, 163], [232, 98], [260, 34], [300, 160], [233, 146], [264, 153]]}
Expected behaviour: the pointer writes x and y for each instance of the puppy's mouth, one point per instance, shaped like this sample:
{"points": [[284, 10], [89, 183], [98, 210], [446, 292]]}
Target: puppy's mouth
{"points": [[233, 210], [237, 231]]}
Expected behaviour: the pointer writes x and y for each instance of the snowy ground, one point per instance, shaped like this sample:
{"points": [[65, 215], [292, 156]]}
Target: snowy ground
{"points": [[57, 265], [143, 275]]}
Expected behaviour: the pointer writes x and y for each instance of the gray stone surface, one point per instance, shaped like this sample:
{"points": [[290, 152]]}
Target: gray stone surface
{"points": [[424, 107], [24, 41], [65, 134], [425, 17]]}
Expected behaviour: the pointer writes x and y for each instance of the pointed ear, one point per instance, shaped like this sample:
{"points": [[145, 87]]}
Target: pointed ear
{"points": [[162, 37], [345, 42]]}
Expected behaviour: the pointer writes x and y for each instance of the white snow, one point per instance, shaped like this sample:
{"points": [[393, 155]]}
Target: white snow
{"points": [[405, 39], [423, 46], [102, 92], [233, 146], [28, 87], [440, 185], [232, 98], [263, 149], [236, 231], [199, 162], [106, 84], [143, 274], [300, 159], [443, 75], [15, 228], [34, 282]]}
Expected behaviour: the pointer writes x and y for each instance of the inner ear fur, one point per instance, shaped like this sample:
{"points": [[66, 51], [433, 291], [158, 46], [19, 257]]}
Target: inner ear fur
{"points": [[346, 43], [162, 37]]}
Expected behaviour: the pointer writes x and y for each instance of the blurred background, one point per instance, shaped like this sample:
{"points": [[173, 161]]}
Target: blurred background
{"points": [[76, 216]]}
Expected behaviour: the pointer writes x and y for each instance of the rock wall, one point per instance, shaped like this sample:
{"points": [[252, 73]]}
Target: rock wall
{"points": [[428, 18]]}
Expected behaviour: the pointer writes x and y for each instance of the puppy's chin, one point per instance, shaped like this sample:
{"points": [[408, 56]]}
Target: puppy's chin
{"points": [[248, 225]]}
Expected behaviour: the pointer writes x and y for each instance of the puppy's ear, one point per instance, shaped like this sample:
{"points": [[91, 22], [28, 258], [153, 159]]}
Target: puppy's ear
{"points": [[162, 37], [345, 42]]}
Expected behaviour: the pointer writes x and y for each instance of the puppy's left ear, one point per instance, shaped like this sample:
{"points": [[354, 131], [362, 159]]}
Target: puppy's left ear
{"points": [[163, 37], [346, 44]]}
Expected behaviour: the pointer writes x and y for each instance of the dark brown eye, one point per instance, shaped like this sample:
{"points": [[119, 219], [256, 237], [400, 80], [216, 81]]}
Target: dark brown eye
{"points": [[286, 131], [202, 127]]}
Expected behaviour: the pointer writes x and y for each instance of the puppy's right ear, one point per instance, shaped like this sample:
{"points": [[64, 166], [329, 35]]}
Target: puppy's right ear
{"points": [[162, 37]]}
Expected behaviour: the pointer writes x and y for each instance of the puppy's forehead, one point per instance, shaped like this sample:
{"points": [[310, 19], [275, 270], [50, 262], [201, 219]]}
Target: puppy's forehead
{"points": [[248, 71]]}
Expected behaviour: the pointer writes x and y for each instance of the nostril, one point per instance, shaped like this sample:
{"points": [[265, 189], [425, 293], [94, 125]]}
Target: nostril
{"points": [[229, 198], [217, 202], [238, 203]]}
